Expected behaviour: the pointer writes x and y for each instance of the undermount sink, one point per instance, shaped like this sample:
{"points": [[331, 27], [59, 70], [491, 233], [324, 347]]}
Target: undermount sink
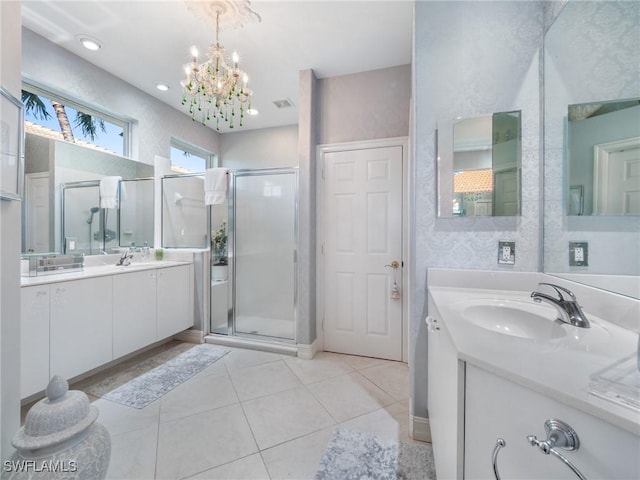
{"points": [[513, 318]]}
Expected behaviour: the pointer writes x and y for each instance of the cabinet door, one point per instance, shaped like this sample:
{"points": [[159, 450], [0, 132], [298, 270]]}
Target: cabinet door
{"points": [[134, 311], [496, 408], [175, 303], [81, 325], [445, 401], [34, 339]]}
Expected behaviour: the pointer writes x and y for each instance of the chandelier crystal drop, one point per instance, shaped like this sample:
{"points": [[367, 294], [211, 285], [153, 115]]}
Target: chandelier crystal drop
{"points": [[216, 90]]}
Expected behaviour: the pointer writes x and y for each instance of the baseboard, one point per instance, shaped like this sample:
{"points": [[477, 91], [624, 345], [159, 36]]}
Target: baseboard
{"points": [[419, 429], [306, 351], [190, 336]]}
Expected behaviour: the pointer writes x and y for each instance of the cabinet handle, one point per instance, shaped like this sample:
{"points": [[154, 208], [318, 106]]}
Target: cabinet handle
{"points": [[41, 293], [432, 323], [500, 443]]}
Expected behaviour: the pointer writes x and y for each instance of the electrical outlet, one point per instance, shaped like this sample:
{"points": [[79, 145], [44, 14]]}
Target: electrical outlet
{"points": [[506, 253], [578, 254]]}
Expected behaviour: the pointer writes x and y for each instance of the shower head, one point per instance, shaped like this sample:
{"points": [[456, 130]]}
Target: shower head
{"points": [[94, 210]]}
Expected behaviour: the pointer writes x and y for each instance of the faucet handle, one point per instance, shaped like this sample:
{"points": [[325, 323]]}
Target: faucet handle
{"points": [[559, 290]]}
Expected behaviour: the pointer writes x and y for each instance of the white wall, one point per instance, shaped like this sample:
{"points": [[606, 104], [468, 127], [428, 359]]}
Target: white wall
{"points": [[471, 58], [263, 148], [364, 106], [10, 218], [53, 67]]}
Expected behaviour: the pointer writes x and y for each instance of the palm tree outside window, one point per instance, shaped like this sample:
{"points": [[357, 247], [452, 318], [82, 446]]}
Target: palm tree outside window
{"points": [[74, 122]]}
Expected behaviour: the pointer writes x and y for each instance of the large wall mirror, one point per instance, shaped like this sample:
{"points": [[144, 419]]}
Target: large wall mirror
{"points": [[479, 166], [591, 144], [61, 207]]}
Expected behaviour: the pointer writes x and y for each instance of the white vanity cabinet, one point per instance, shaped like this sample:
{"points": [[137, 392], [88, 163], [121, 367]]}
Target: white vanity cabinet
{"points": [[71, 326], [445, 385], [134, 311], [80, 325], [34, 339], [497, 408], [175, 309]]}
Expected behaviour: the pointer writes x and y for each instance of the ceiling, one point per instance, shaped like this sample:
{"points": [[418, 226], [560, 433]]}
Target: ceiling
{"points": [[145, 42]]}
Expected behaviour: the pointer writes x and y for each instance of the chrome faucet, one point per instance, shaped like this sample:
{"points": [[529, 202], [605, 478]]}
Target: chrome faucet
{"points": [[125, 258], [568, 309]]}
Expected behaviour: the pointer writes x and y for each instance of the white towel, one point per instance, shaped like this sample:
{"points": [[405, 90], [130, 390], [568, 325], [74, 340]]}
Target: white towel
{"points": [[215, 185], [109, 192]]}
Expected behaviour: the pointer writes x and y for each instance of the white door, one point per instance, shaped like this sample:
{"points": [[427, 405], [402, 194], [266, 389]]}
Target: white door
{"points": [[363, 236], [505, 192], [617, 178], [37, 212], [623, 192]]}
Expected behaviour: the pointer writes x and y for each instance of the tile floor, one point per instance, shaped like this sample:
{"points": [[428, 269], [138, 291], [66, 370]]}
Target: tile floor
{"points": [[255, 415]]}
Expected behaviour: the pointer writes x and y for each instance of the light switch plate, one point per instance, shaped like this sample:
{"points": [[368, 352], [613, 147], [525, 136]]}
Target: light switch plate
{"points": [[507, 253], [578, 254]]}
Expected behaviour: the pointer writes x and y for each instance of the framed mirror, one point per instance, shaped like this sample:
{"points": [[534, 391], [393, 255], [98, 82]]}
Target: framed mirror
{"points": [[479, 166]]}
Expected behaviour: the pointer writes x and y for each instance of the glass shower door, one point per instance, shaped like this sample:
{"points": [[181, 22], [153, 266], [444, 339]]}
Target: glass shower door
{"points": [[264, 246]]}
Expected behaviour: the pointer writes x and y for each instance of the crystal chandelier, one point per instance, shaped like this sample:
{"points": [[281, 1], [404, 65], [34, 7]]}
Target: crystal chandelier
{"points": [[216, 90]]}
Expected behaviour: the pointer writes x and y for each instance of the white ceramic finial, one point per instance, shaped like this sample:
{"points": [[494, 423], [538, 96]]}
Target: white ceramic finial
{"points": [[57, 388]]}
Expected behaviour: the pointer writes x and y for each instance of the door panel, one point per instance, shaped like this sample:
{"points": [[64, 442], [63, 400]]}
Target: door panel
{"points": [[363, 195], [37, 213]]}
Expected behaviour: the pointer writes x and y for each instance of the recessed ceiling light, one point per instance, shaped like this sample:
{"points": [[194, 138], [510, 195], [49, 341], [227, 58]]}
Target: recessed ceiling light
{"points": [[252, 111], [163, 87], [90, 43]]}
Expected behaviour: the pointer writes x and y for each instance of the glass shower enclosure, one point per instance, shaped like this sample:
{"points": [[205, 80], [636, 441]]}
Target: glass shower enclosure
{"points": [[87, 228], [260, 287]]}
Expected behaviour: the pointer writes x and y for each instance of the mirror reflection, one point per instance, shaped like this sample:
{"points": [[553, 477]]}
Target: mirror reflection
{"points": [[579, 73], [604, 158], [65, 177], [485, 166]]}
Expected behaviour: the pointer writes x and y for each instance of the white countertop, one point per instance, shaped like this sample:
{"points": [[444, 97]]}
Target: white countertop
{"points": [[559, 368], [98, 271]]}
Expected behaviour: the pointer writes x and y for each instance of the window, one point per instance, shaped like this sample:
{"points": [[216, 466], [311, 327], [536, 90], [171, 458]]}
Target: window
{"points": [[186, 158], [49, 114]]}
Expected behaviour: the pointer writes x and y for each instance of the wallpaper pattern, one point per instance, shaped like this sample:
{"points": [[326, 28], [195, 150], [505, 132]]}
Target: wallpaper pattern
{"points": [[472, 58]]}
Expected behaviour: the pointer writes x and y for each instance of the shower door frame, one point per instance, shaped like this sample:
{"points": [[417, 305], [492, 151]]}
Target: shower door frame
{"points": [[101, 218], [231, 249]]}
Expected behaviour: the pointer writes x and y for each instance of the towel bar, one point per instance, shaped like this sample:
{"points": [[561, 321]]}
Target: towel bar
{"points": [[500, 443]]}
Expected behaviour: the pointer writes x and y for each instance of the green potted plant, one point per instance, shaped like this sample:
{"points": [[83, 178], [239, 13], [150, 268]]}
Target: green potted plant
{"points": [[219, 253]]}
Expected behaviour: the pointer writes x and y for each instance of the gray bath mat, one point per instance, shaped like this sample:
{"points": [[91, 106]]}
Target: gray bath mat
{"points": [[352, 455], [151, 385]]}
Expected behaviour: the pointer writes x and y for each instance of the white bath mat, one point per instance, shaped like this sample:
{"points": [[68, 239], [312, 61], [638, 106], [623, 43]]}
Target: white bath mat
{"points": [[151, 385], [352, 455]]}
